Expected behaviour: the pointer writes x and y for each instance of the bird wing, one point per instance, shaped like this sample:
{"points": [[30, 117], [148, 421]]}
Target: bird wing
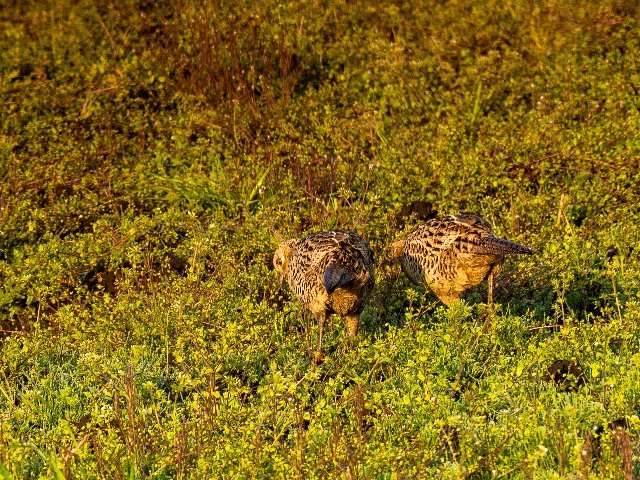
{"points": [[464, 233], [468, 232], [435, 236], [337, 248]]}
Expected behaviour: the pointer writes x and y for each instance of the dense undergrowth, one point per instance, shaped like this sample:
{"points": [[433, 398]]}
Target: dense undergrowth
{"points": [[148, 154]]}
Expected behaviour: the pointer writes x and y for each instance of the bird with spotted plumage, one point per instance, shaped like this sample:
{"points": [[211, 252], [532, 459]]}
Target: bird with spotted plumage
{"points": [[452, 254], [329, 272]]}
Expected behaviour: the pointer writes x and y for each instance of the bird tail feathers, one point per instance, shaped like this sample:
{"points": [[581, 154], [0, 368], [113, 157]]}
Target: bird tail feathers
{"points": [[500, 245], [336, 276]]}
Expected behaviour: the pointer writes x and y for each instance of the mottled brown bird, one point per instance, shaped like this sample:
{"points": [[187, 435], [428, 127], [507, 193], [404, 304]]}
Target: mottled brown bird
{"points": [[452, 254], [330, 272]]}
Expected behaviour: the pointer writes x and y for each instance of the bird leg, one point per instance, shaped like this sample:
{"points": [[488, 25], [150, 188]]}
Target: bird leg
{"points": [[352, 325], [493, 273], [490, 299], [321, 317]]}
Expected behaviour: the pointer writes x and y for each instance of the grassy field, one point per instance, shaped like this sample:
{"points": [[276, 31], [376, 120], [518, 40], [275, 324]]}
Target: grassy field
{"points": [[151, 151]]}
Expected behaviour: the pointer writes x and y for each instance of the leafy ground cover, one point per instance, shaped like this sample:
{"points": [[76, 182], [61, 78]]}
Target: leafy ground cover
{"points": [[148, 154]]}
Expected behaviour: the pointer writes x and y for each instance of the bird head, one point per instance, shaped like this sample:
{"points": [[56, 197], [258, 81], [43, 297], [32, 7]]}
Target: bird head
{"points": [[281, 258], [395, 252]]}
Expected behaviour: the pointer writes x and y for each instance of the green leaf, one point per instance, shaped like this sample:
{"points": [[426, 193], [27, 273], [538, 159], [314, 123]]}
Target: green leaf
{"points": [[4, 473]]}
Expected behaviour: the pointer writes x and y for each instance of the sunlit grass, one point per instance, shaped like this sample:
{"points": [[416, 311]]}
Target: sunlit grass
{"points": [[151, 154]]}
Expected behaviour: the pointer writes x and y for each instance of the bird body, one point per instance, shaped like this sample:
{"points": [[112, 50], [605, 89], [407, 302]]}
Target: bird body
{"points": [[453, 254], [330, 272]]}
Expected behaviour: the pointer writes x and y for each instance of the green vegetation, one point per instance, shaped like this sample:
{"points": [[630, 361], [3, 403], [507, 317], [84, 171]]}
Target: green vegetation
{"points": [[150, 150]]}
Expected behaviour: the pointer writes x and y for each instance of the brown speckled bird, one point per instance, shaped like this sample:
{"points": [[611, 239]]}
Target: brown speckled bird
{"points": [[330, 272], [452, 254]]}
